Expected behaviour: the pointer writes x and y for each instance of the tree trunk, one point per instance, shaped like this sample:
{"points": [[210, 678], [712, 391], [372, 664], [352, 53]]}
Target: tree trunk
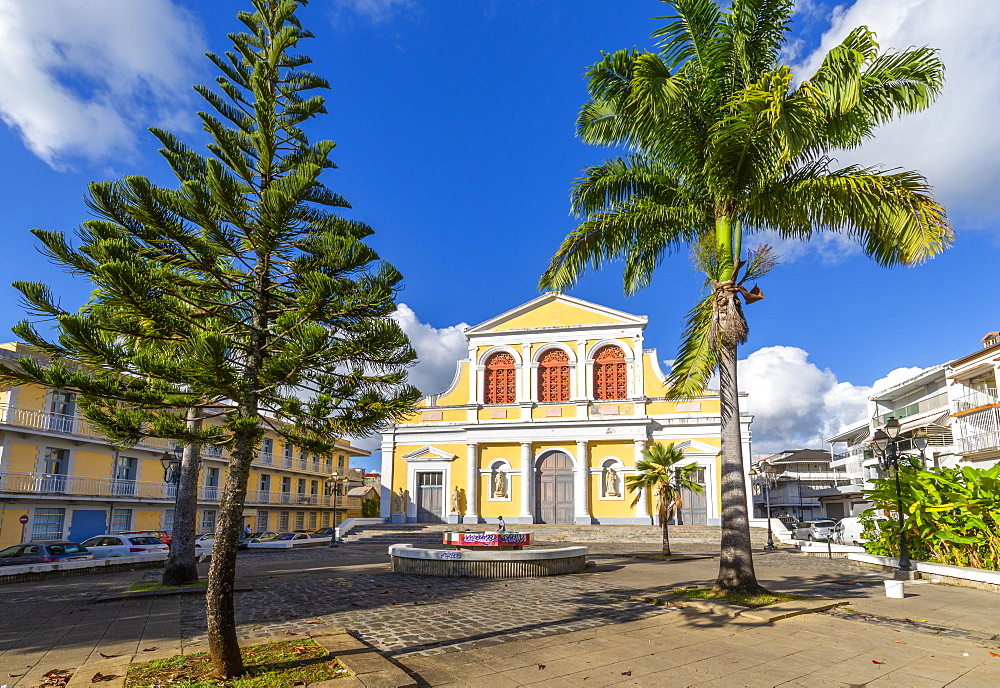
{"points": [[736, 572], [663, 525], [220, 611], [181, 567]]}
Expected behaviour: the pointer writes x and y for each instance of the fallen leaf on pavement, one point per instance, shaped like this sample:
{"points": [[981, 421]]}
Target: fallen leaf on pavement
{"points": [[149, 649], [875, 661], [309, 622], [540, 666], [16, 675], [992, 654], [900, 642], [627, 673], [99, 677], [106, 656]]}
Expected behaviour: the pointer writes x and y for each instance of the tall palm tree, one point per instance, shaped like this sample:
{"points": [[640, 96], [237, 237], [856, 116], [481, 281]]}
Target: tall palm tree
{"points": [[723, 143], [661, 474]]}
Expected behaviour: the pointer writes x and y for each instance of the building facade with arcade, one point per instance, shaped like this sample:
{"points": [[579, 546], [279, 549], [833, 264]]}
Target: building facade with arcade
{"points": [[544, 420]]}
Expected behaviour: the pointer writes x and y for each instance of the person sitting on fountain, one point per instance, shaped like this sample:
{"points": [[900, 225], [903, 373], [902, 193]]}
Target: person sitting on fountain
{"points": [[501, 526]]}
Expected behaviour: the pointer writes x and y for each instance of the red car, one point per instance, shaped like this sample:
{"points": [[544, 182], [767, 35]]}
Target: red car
{"points": [[162, 535]]}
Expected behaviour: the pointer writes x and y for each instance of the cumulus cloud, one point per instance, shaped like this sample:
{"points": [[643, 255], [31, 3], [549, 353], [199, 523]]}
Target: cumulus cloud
{"points": [[375, 10], [795, 404], [437, 349], [954, 142], [80, 78]]}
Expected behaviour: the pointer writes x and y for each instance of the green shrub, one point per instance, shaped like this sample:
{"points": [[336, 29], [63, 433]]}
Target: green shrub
{"points": [[951, 516]]}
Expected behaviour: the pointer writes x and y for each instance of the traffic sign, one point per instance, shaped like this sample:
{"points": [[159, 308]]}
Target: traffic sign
{"points": [[23, 519]]}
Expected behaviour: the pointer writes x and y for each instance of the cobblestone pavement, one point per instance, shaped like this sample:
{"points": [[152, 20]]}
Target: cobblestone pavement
{"points": [[402, 614]]}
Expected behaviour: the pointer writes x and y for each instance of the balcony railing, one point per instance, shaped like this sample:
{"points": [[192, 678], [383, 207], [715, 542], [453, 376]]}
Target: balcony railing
{"points": [[980, 442], [266, 458], [976, 398], [65, 425], [48, 484]]}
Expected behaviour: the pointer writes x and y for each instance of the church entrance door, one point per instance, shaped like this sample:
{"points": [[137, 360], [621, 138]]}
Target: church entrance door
{"points": [[554, 489]]}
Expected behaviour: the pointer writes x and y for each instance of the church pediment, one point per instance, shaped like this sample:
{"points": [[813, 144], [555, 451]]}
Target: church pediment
{"points": [[696, 447], [553, 311], [429, 454]]}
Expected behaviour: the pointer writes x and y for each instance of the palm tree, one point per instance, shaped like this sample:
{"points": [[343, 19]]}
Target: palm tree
{"points": [[660, 474], [724, 144]]}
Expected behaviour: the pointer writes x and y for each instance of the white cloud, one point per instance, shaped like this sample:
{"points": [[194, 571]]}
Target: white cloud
{"points": [[955, 143], [796, 404], [80, 78], [375, 10], [437, 349]]}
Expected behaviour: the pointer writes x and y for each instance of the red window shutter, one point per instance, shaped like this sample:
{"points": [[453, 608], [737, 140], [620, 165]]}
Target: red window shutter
{"points": [[501, 380], [610, 375], [553, 376]]}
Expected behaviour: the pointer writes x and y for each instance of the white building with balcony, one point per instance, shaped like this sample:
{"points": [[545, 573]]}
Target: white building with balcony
{"points": [[800, 478], [974, 403]]}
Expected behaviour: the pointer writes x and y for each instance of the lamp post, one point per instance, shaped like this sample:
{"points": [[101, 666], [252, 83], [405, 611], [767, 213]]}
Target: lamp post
{"points": [[171, 467], [919, 441], [766, 477], [332, 484], [885, 443]]}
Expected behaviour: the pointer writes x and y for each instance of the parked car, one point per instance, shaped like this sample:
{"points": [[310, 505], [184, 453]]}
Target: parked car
{"points": [[849, 531], [814, 530], [123, 545], [292, 536], [44, 553], [161, 535], [205, 540], [262, 536], [324, 532]]}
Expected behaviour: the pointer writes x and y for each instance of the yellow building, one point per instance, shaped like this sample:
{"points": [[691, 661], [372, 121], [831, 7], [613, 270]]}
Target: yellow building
{"points": [[542, 423], [68, 482]]}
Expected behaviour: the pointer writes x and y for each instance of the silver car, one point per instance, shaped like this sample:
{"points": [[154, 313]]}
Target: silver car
{"points": [[814, 530]]}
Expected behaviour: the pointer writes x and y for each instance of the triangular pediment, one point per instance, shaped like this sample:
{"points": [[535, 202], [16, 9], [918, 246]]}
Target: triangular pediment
{"points": [[429, 453], [555, 311], [696, 447]]}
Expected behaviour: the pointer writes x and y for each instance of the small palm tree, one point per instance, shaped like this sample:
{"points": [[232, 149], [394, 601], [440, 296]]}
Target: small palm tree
{"points": [[660, 473]]}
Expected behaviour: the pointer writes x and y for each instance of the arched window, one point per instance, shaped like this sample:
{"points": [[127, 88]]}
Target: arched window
{"points": [[500, 379], [610, 377], [553, 376]]}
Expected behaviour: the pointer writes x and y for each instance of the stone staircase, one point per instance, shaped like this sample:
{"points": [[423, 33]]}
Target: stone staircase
{"points": [[430, 534]]}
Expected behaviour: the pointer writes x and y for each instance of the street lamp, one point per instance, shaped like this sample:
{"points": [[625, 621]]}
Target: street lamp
{"points": [[766, 477], [171, 463], [331, 484], [919, 441], [885, 443]]}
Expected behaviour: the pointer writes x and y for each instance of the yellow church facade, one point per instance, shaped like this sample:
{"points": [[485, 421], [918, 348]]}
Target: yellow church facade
{"points": [[543, 422]]}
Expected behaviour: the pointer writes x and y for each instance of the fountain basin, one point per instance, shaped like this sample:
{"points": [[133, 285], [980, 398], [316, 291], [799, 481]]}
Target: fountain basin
{"points": [[487, 563]]}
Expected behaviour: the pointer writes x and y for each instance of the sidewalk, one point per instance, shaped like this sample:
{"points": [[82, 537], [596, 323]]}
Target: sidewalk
{"points": [[680, 649], [497, 632]]}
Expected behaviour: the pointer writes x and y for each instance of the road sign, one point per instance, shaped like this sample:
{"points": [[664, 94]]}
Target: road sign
{"points": [[23, 520]]}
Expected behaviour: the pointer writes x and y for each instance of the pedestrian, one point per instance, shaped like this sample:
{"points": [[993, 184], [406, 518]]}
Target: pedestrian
{"points": [[246, 530], [501, 526]]}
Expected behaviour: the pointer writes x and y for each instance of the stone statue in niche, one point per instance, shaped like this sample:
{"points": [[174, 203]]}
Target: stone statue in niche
{"points": [[611, 482], [499, 485], [456, 500], [399, 502]]}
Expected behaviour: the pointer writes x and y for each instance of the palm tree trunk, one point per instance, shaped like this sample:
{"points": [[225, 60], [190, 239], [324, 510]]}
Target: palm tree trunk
{"points": [[181, 567], [736, 573], [662, 500]]}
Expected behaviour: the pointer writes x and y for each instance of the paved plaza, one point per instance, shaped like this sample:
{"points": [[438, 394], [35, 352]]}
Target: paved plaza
{"points": [[584, 629]]}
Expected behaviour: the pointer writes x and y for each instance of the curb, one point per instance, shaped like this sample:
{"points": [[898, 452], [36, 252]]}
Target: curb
{"points": [[368, 668], [123, 594]]}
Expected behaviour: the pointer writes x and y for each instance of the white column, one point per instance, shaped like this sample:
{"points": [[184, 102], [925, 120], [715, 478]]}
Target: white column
{"points": [[526, 393], [642, 506], [473, 376], [472, 485], [527, 481], [581, 369], [581, 485], [385, 496]]}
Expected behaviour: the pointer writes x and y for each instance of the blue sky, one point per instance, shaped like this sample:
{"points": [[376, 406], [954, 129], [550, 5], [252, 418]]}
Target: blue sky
{"points": [[455, 130]]}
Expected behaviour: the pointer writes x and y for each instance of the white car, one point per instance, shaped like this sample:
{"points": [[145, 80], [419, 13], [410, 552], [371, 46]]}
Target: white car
{"points": [[122, 545]]}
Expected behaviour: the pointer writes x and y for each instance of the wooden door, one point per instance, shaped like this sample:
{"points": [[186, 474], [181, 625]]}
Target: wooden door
{"points": [[554, 489], [430, 497], [694, 508]]}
